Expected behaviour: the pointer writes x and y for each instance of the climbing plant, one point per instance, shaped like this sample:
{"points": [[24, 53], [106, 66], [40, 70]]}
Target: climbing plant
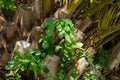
{"points": [[8, 4]]}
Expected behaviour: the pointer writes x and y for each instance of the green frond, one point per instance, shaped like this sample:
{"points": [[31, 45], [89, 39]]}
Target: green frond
{"points": [[72, 6], [105, 33], [109, 18]]}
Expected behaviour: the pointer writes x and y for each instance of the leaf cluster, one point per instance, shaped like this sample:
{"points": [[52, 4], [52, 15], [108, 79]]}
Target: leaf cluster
{"points": [[58, 31], [8, 4], [32, 61], [58, 38]]}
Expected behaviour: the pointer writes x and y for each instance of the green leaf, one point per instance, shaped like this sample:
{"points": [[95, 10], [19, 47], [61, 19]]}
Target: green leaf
{"points": [[12, 63], [22, 68], [49, 32], [86, 77], [67, 29], [67, 38], [59, 27], [43, 55], [40, 40], [24, 60], [17, 53], [16, 70], [93, 72], [8, 67], [61, 34], [72, 78], [98, 67], [57, 48], [44, 25], [73, 37], [77, 45], [45, 44], [33, 63], [83, 54], [65, 52], [35, 52]]}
